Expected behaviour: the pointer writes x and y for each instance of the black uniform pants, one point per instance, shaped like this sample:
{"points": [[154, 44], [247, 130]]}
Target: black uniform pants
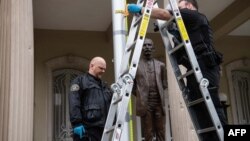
{"points": [[213, 75]]}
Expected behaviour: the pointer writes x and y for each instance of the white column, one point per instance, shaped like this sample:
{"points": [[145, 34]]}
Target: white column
{"points": [[16, 71], [119, 42], [119, 34]]}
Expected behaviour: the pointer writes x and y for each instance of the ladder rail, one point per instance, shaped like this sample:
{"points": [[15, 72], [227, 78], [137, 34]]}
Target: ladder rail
{"points": [[130, 40], [185, 38]]}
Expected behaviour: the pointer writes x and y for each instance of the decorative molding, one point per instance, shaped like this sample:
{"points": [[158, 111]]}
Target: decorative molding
{"points": [[69, 61]]}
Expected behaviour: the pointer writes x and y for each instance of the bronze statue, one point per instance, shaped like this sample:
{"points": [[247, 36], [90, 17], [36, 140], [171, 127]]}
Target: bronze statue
{"points": [[150, 83]]}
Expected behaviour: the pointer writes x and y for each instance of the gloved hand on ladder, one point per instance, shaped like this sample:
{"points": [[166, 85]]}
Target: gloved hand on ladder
{"points": [[133, 8]]}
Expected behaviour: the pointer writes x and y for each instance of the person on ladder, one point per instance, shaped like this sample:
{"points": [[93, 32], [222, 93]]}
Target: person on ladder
{"points": [[89, 102], [149, 88], [201, 37]]}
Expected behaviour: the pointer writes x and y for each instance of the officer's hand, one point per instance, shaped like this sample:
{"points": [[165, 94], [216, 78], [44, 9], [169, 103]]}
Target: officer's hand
{"points": [[79, 130], [133, 8]]}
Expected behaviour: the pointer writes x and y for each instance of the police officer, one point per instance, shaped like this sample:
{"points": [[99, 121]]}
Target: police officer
{"points": [[201, 37], [89, 102]]}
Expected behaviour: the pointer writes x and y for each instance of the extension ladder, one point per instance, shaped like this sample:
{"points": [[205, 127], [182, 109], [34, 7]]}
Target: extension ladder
{"points": [[204, 101], [123, 87]]}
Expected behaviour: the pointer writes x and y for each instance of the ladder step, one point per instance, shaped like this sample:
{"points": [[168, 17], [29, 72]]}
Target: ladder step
{"points": [[185, 75], [138, 21], [141, 1], [110, 129], [197, 101], [176, 48], [131, 46], [155, 2], [166, 24], [172, 19], [205, 130], [118, 100]]}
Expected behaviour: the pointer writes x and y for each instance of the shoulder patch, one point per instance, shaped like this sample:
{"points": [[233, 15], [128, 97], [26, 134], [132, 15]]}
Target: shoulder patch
{"points": [[74, 87]]}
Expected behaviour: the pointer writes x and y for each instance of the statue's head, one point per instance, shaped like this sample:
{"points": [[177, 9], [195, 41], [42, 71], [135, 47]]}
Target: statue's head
{"points": [[148, 48]]}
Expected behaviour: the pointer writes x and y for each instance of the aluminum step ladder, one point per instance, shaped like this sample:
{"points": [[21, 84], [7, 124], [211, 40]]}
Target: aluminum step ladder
{"points": [[123, 87], [213, 125]]}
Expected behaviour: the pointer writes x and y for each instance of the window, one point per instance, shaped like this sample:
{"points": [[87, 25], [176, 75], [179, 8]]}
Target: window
{"points": [[241, 84], [238, 75], [61, 87]]}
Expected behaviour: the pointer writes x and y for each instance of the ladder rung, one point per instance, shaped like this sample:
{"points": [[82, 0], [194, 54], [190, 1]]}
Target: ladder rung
{"points": [[131, 46], [166, 24], [171, 20], [176, 48], [205, 130], [185, 75], [197, 101], [138, 20], [141, 1], [117, 100], [110, 129]]}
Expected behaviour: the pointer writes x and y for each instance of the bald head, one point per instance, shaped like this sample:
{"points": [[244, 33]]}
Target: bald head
{"points": [[97, 66]]}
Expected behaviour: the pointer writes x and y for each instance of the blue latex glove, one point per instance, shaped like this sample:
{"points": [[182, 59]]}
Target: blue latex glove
{"points": [[79, 130], [133, 8]]}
